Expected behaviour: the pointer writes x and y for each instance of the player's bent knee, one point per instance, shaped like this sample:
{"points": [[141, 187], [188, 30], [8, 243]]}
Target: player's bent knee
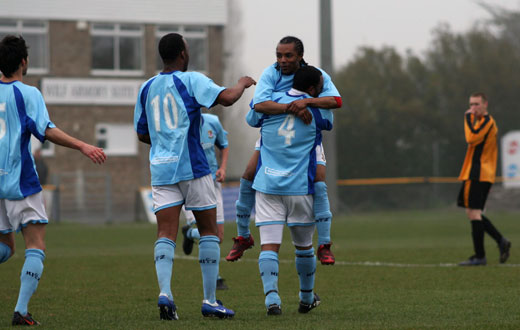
{"points": [[5, 252]]}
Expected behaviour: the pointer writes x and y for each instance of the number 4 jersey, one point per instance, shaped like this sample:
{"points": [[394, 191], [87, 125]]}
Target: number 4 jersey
{"points": [[22, 113], [287, 164], [168, 109]]}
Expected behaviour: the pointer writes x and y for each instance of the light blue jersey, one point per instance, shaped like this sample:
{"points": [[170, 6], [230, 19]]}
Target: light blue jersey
{"points": [[287, 163], [213, 134], [168, 109], [22, 113], [272, 81]]}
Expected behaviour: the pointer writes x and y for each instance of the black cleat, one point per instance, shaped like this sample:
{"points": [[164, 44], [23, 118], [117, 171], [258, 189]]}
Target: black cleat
{"points": [[187, 244], [167, 308], [221, 285], [18, 319], [474, 261], [504, 248], [305, 308], [274, 309]]}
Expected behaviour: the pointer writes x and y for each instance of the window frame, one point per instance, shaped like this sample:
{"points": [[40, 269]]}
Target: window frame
{"points": [[131, 151], [116, 34], [23, 31], [162, 29]]}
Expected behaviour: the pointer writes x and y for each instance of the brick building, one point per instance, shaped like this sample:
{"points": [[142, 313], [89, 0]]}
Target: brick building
{"points": [[89, 58]]}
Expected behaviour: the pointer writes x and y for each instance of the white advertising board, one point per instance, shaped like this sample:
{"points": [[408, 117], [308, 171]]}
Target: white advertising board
{"points": [[511, 159]]}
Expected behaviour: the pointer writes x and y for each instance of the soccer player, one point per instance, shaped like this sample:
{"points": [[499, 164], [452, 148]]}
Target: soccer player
{"points": [[212, 135], [284, 186], [278, 78], [22, 113], [167, 116], [478, 174]]}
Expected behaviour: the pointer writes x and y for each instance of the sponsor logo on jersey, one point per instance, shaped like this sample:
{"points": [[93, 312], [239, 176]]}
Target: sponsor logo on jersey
{"points": [[273, 172], [165, 160]]}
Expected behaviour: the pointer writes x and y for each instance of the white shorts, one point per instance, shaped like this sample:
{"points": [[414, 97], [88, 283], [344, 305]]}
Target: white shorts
{"points": [[18, 213], [197, 194], [320, 152], [279, 209], [220, 206], [273, 234]]}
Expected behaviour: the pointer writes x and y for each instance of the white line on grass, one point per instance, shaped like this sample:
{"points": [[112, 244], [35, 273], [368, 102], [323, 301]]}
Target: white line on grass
{"points": [[359, 263]]}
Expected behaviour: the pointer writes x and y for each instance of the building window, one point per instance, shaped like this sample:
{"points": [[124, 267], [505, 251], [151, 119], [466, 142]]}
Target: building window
{"points": [[35, 34], [197, 39], [116, 139], [117, 49]]}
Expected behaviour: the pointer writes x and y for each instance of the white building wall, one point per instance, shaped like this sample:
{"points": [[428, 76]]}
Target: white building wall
{"points": [[206, 12]]}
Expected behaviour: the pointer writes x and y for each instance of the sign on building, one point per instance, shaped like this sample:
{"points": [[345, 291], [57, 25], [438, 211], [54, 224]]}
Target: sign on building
{"points": [[511, 159], [90, 91]]}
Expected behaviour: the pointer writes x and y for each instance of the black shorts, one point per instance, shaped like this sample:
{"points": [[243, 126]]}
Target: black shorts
{"points": [[473, 194]]}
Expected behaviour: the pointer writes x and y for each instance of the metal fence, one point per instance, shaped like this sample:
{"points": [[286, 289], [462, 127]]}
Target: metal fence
{"points": [[82, 197]]}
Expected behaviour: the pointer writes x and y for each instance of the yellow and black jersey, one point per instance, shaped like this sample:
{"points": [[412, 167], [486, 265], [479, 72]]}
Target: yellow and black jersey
{"points": [[480, 163]]}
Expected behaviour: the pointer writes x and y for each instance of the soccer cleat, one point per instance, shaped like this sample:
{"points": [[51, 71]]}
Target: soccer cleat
{"points": [[474, 261], [19, 319], [239, 246], [167, 308], [274, 309], [187, 244], [216, 309], [221, 285], [504, 248], [325, 254], [305, 308]]}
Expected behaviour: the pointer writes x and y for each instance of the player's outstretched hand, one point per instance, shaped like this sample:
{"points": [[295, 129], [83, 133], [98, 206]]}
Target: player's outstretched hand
{"points": [[469, 111], [247, 81], [94, 153]]}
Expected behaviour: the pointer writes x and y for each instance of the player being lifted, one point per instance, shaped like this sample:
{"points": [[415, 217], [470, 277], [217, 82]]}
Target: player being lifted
{"points": [[167, 116], [279, 78], [285, 184], [212, 135], [23, 113]]}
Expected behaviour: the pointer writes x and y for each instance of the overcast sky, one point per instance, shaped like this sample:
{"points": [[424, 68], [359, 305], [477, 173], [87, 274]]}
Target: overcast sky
{"points": [[403, 24]]}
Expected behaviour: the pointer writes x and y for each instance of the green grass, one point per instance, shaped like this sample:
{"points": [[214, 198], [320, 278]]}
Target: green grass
{"points": [[103, 277]]}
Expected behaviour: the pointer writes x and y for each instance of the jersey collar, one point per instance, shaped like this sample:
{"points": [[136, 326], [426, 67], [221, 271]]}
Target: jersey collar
{"points": [[295, 92]]}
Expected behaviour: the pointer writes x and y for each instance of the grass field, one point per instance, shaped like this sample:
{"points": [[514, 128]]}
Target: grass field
{"points": [[394, 271]]}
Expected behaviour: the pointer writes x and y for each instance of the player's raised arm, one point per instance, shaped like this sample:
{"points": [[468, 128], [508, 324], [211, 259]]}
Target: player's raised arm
{"points": [[57, 136], [230, 95]]}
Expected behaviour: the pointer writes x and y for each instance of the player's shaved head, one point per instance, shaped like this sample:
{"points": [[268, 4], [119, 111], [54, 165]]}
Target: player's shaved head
{"points": [[171, 46]]}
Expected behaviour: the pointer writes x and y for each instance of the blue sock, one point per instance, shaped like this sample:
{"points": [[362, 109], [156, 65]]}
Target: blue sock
{"points": [[322, 213], [268, 265], [209, 259], [244, 206], [164, 253], [5, 252], [31, 273], [193, 233], [306, 267]]}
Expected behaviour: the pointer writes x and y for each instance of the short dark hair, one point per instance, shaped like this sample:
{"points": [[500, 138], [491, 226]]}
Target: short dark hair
{"points": [[12, 51], [306, 77], [481, 95], [298, 46], [170, 47]]}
